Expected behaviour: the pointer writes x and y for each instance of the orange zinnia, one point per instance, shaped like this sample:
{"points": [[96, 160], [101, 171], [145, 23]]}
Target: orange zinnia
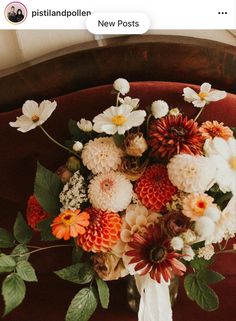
{"points": [[214, 129], [70, 224]]}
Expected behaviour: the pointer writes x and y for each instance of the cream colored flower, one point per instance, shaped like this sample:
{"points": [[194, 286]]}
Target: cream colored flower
{"points": [[108, 266], [204, 97], [133, 102], [33, 115], [118, 120], [121, 85], [159, 108], [206, 252], [177, 243], [189, 237], [77, 146], [174, 112], [192, 174], [85, 125], [223, 154], [137, 217], [110, 192], [195, 205], [101, 155], [188, 253]]}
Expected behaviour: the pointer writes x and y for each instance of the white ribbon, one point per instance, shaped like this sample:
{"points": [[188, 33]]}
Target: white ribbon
{"points": [[155, 302]]}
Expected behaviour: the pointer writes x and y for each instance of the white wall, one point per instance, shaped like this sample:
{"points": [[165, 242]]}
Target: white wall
{"points": [[17, 46]]}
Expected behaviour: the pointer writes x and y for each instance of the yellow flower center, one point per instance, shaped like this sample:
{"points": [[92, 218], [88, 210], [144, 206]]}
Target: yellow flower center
{"points": [[35, 118], [67, 219], [202, 95], [119, 120], [232, 162]]}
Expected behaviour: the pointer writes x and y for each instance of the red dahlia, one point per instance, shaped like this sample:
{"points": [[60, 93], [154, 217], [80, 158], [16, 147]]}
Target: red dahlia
{"points": [[173, 135], [154, 189], [152, 253], [34, 212]]}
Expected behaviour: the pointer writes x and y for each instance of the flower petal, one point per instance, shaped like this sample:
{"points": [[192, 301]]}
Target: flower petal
{"points": [[30, 108], [205, 87], [216, 95], [46, 108]]}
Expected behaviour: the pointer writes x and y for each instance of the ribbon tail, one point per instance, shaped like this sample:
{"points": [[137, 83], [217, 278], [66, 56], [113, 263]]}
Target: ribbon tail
{"points": [[155, 302]]}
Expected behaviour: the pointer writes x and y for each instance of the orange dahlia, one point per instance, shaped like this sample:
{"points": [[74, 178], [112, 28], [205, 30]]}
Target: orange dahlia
{"points": [[173, 135], [35, 213], [214, 129], [154, 189], [152, 253], [103, 231], [70, 224]]}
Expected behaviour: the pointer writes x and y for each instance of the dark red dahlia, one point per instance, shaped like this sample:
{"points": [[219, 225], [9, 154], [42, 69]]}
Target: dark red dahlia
{"points": [[175, 223], [172, 135], [152, 253], [34, 212], [154, 189]]}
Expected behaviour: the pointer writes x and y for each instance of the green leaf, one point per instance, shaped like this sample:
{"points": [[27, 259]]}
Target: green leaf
{"points": [[199, 292], [20, 250], [198, 245], [13, 291], [6, 239], [22, 231], [80, 273], [47, 188], [83, 305], [209, 276], [26, 271], [7, 263], [45, 229], [119, 139], [103, 291], [199, 263]]}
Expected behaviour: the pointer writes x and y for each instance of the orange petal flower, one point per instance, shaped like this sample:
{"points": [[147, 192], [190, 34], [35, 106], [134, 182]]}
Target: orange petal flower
{"points": [[103, 231], [214, 129], [194, 205], [70, 224]]}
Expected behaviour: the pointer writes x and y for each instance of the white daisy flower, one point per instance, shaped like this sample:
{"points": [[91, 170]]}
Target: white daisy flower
{"points": [[121, 85], [33, 115], [223, 154], [204, 97], [133, 102], [118, 120]]}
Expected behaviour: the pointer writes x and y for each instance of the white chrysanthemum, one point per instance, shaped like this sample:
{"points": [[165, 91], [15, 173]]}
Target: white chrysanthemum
{"points": [[101, 155], [33, 115], [159, 108], [188, 253], [191, 174], [177, 243], [137, 217], [74, 192], [206, 252], [121, 85], [110, 191], [223, 154], [118, 120], [204, 97], [133, 102], [85, 125]]}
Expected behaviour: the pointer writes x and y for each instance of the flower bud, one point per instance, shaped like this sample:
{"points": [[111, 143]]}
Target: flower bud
{"points": [[159, 108], [135, 145]]}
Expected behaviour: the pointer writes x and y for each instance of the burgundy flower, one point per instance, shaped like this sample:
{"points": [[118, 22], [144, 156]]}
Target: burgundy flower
{"points": [[152, 253], [175, 223]]}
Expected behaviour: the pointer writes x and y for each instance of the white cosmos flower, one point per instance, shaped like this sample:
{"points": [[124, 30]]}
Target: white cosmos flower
{"points": [[223, 154], [33, 115], [121, 85], [205, 96], [133, 102], [118, 120]]}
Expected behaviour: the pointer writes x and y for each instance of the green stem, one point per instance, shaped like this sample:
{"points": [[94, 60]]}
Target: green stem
{"points": [[117, 99], [199, 113], [38, 249], [56, 142], [148, 121], [226, 251]]}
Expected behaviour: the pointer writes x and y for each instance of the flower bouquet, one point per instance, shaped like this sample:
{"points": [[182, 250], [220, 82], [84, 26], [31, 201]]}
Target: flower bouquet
{"points": [[149, 193]]}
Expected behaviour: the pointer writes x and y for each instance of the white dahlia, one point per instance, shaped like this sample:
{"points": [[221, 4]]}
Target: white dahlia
{"points": [[101, 155], [191, 174], [110, 192], [74, 193], [137, 217], [223, 154]]}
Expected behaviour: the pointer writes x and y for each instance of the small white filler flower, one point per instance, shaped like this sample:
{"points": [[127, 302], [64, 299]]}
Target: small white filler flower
{"points": [[159, 108], [121, 85], [85, 125]]}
